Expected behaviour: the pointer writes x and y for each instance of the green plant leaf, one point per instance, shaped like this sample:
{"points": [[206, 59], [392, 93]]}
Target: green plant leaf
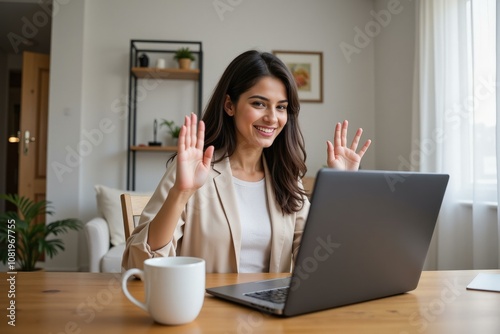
{"points": [[51, 247], [32, 238], [184, 53], [62, 226], [173, 129]]}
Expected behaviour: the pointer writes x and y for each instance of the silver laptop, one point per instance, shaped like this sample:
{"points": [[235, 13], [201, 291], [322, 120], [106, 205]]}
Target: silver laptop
{"points": [[366, 237]]}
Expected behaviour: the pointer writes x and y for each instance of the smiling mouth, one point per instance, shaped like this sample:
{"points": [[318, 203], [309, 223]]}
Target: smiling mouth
{"points": [[265, 130]]}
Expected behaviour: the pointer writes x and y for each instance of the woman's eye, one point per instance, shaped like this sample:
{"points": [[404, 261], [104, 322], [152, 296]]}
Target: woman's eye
{"points": [[258, 104], [282, 107]]}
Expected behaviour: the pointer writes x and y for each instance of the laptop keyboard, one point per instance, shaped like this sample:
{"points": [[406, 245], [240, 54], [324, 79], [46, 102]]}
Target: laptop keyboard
{"points": [[277, 296]]}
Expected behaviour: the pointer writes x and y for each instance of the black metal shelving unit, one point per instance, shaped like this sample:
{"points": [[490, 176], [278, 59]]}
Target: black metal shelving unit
{"points": [[136, 73]]}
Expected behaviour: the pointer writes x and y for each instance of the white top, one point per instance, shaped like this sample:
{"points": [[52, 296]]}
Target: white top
{"points": [[255, 226]]}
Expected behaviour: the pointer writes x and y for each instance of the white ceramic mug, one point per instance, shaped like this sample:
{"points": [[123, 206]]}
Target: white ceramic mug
{"points": [[174, 288]]}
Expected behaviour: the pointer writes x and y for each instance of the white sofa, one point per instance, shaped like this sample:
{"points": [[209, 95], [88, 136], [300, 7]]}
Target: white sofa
{"points": [[105, 234], [103, 256]]}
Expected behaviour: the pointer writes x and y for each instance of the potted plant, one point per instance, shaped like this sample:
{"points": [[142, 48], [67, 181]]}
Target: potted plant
{"points": [[173, 129], [184, 56], [30, 238]]}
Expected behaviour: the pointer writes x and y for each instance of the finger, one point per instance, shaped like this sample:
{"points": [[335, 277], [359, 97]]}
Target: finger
{"points": [[329, 148], [201, 135], [330, 153], [364, 148], [181, 145], [343, 142], [356, 139], [194, 132], [187, 124], [336, 138], [207, 157]]}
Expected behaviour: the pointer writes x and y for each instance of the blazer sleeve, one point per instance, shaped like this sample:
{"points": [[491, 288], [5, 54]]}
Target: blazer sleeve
{"points": [[300, 222], [137, 249]]}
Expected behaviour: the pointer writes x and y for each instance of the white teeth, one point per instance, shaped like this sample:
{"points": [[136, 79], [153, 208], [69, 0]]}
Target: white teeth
{"points": [[266, 130]]}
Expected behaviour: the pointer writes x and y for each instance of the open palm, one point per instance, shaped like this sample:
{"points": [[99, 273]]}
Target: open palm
{"points": [[340, 156], [193, 164]]}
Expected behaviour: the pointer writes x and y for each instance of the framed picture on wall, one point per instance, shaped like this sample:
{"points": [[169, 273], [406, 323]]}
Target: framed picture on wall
{"points": [[307, 69]]}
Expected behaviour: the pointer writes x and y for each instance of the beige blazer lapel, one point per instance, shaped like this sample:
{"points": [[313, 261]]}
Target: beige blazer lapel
{"points": [[278, 225], [281, 226], [223, 182]]}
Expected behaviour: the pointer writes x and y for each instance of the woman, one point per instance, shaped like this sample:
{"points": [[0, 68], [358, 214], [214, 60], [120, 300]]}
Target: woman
{"points": [[232, 195]]}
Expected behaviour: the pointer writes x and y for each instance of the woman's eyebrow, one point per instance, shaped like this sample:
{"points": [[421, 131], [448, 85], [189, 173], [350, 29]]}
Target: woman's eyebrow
{"points": [[264, 98]]}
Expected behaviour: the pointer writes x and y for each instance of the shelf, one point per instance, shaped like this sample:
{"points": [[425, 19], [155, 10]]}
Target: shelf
{"points": [[138, 77], [154, 148], [166, 73]]}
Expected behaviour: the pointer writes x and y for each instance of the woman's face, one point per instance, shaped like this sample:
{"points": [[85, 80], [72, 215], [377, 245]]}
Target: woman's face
{"points": [[260, 113]]}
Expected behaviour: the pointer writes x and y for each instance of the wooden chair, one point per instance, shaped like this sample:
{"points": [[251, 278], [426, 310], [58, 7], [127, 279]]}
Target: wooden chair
{"points": [[132, 206], [308, 183]]}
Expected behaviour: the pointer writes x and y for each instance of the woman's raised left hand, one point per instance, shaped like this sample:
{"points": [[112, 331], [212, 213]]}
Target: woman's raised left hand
{"points": [[340, 156]]}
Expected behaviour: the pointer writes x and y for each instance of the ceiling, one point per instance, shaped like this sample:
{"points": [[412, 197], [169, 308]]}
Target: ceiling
{"points": [[25, 26]]}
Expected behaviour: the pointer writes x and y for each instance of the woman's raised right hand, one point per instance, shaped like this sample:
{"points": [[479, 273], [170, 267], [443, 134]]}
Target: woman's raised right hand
{"points": [[193, 164]]}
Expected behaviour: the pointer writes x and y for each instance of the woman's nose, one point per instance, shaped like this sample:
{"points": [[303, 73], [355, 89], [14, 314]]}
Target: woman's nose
{"points": [[270, 114]]}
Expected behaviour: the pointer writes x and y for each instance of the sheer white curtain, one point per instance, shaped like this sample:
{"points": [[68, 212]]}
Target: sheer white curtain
{"points": [[454, 127]]}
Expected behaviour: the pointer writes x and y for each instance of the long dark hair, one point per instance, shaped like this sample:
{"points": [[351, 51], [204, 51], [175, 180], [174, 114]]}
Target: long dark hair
{"points": [[286, 156]]}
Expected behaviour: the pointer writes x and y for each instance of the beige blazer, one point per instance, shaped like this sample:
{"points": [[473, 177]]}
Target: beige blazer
{"points": [[209, 226]]}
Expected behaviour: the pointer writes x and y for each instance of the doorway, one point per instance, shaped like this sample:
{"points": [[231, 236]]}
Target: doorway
{"points": [[13, 122], [27, 26]]}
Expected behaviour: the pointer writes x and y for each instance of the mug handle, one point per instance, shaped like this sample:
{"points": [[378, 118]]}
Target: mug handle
{"points": [[139, 273]]}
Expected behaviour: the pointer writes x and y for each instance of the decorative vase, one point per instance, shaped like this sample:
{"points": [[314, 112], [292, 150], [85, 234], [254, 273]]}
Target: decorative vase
{"points": [[143, 60], [160, 63], [171, 141], [185, 63]]}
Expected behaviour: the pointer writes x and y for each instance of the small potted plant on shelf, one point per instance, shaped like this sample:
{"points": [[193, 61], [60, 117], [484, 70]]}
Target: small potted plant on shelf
{"points": [[24, 238], [184, 56], [173, 129]]}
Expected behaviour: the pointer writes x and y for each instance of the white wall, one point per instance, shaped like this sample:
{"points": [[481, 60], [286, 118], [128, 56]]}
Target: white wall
{"points": [[394, 64], [89, 80], [65, 125]]}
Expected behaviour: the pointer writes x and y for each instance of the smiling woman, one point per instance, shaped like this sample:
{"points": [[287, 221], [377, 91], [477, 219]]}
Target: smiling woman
{"points": [[259, 115], [232, 195]]}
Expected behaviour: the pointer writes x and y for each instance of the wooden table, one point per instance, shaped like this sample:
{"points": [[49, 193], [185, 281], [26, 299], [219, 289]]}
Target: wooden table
{"points": [[56, 302]]}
